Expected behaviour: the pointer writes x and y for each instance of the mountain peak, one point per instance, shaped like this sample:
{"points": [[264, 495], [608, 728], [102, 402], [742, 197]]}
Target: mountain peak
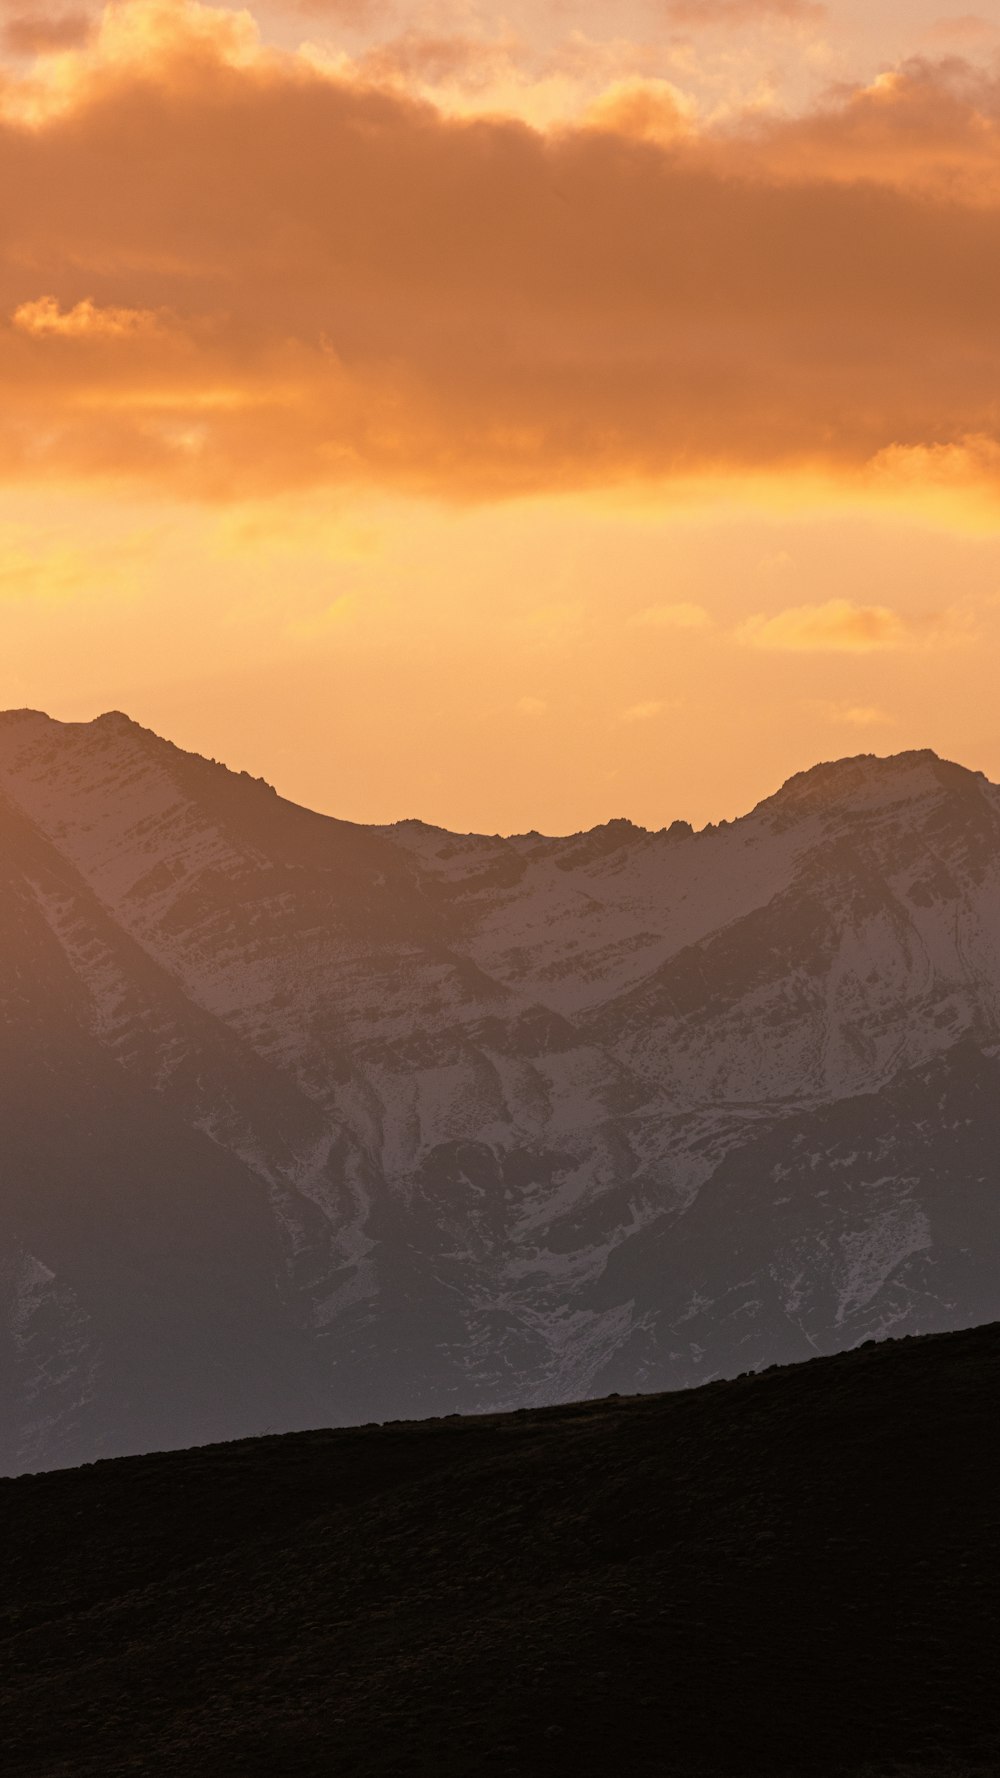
{"points": [[869, 781], [115, 719], [24, 718]]}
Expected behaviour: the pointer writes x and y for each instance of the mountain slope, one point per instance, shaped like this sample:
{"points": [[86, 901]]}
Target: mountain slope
{"points": [[308, 1122], [786, 1574]]}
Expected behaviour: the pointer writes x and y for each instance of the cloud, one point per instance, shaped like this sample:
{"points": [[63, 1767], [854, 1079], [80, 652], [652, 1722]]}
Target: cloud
{"points": [[51, 574], [965, 27], [470, 63], [906, 468], [642, 712], [864, 716], [836, 627], [325, 622], [38, 34], [361, 15], [275, 529], [37, 567], [680, 616], [841, 627], [849, 715], [531, 706], [645, 110], [228, 270], [43, 318], [925, 127], [742, 12]]}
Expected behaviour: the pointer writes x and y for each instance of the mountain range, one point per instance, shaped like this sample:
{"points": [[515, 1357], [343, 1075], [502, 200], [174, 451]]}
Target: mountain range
{"points": [[310, 1123]]}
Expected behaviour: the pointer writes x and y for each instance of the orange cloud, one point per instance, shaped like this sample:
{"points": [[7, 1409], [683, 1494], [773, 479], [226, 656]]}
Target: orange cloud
{"points": [[925, 127], [44, 318], [835, 627], [362, 14], [38, 34], [741, 12], [227, 270], [841, 627], [643, 712], [645, 110], [864, 716], [964, 27], [438, 59]]}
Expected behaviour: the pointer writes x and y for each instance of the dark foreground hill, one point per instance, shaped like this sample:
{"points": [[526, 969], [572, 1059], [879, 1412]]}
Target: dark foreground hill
{"points": [[794, 1573]]}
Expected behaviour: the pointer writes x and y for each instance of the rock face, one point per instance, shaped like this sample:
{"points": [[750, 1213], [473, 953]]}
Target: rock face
{"points": [[306, 1122]]}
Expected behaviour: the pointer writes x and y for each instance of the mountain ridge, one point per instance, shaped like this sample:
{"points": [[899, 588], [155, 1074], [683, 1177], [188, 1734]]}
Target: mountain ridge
{"points": [[812, 779]]}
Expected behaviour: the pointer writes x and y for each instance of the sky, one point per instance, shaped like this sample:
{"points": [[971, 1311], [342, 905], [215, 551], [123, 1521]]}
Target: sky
{"points": [[515, 418]]}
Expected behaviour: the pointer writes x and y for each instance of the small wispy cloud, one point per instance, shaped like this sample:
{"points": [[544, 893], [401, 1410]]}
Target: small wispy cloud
{"points": [[35, 568], [531, 706], [841, 627], [642, 712], [838, 627], [325, 622], [84, 321], [777, 563], [862, 716], [964, 27]]}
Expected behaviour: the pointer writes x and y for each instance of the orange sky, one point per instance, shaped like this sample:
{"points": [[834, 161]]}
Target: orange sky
{"points": [[515, 422]]}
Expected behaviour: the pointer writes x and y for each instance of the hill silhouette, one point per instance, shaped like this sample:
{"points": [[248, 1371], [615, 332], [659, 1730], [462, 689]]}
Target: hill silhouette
{"points": [[791, 1573]]}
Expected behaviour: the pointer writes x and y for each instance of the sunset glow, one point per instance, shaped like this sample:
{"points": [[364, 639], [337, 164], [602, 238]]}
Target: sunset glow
{"points": [[509, 420]]}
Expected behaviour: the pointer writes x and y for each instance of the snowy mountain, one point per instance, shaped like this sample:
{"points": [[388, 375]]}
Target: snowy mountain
{"points": [[306, 1122]]}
